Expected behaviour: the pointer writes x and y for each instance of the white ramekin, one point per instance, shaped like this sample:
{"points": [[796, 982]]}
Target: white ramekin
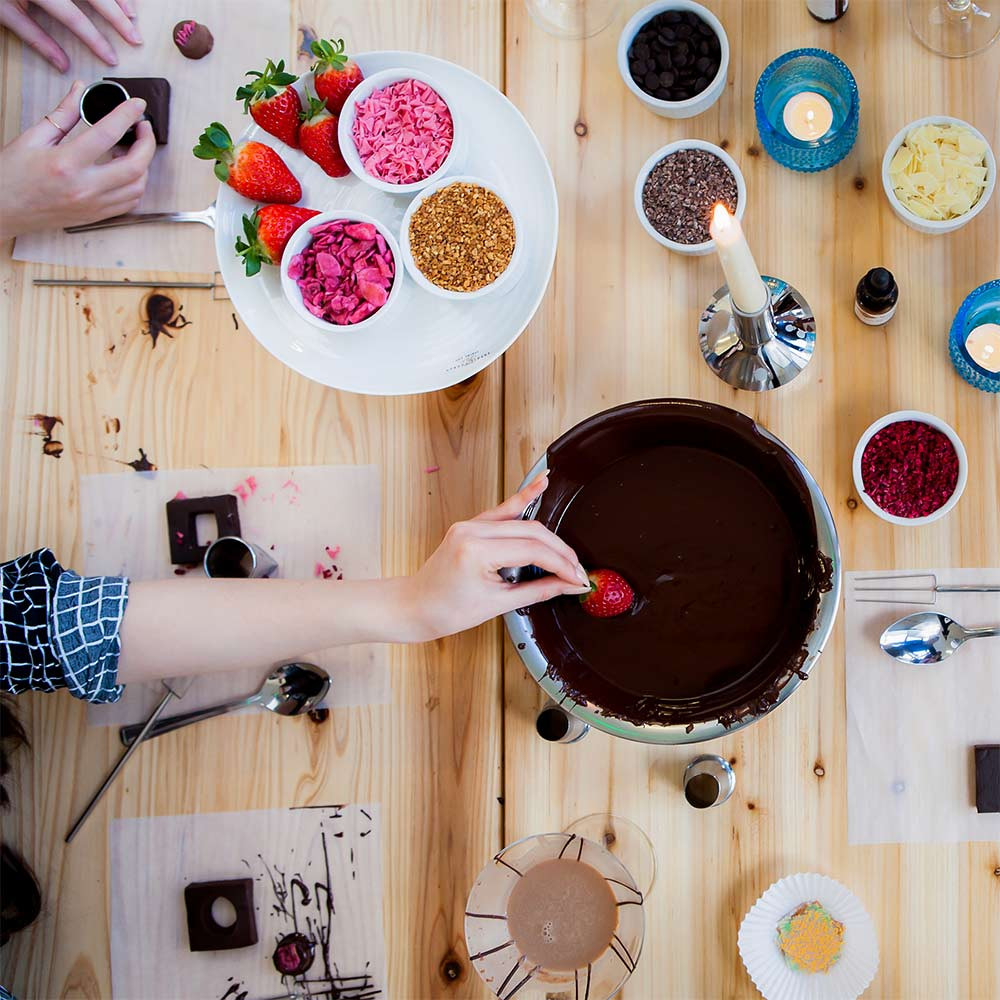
{"points": [[929, 225], [694, 105], [509, 275], [299, 240], [690, 249], [345, 126], [923, 418]]}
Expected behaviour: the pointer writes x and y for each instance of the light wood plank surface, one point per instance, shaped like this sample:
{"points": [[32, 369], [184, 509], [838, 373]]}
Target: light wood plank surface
{"points": [[619, 324], [213, 396]]}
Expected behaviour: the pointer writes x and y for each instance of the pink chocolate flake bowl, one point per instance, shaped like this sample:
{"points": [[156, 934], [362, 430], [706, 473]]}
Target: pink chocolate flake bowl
{"points": [[341, 270]]}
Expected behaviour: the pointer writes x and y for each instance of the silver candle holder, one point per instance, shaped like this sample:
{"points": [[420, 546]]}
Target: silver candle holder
{"points": [[761, 350]]}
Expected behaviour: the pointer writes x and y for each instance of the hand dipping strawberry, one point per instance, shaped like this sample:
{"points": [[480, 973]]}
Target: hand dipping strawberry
{"points": [[610, 595]]}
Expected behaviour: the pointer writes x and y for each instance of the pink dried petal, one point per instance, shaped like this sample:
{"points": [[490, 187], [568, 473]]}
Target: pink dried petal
{"points": [[372, 293]]}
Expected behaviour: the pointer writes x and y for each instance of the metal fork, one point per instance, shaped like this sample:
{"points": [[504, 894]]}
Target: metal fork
{"points": [[931, 587], [206, 217]]}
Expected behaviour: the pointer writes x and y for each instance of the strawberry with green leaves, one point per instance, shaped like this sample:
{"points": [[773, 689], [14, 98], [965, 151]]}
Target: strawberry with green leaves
{"points": [[267, 231], [334, 75], [252, 169], [610, 594], [318, 138], [272, 102]]}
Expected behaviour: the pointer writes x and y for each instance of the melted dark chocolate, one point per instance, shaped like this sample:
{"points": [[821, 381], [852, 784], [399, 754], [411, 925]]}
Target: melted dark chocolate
{"points": [[712, 524]]}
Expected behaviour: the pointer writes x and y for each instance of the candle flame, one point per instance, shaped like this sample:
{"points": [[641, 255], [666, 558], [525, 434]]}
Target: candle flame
{"points": [[721, 218]]}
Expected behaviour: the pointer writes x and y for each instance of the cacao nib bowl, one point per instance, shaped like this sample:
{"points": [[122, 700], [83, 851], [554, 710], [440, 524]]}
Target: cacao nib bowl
{"points": [[688, 249], [698, 102], [303, 237], [916, 416], [732, 552]]}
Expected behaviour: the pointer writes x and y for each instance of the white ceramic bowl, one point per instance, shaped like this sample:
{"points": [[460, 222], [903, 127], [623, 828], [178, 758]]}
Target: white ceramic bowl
{"points": [[513, 267], [345, 126], [924, 418], [929, 225], [690, 249], [301, 239], [694, 105]]}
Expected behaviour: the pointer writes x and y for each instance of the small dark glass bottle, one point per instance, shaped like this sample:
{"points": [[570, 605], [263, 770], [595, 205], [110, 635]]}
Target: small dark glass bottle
{"points": [[876, 296], [827, 10]]}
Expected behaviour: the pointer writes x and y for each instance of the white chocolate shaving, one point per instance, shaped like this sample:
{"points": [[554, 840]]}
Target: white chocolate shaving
{"points": [[939, 171]]}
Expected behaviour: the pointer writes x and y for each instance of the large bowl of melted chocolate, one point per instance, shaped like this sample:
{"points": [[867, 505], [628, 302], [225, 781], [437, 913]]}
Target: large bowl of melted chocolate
{"points": [[732, 552]]}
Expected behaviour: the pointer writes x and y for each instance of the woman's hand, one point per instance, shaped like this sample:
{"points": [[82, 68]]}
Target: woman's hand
{"points": [[16, 15], [50, 181], [460, 586]]}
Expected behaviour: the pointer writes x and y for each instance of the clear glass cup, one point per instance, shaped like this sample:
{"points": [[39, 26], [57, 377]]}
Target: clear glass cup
{"points": [[497, 958], [573, 19], [954, 28]]}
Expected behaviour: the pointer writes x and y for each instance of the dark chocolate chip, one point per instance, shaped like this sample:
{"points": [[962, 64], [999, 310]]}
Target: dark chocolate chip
{"points": [[667, 78], [651, 81], [702, 64], [683, 30], [700, 84]]}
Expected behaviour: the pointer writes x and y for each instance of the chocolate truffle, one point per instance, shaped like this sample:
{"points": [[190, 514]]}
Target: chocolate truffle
{"points": [[293, 955], [155, 91], [193, 40]]}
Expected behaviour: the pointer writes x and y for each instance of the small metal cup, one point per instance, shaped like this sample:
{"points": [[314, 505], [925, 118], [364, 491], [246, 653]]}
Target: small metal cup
{"points": [[232, 557], [708, 781], [556, 725], [101, 98]]}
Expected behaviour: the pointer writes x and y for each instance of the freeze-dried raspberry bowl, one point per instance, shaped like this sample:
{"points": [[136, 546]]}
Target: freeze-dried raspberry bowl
{"points": [[910, 468], [342, 271], [399, 132]]}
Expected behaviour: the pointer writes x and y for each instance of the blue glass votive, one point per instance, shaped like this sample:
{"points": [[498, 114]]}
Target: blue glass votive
{"points": [[794, 72], [980, 306]]}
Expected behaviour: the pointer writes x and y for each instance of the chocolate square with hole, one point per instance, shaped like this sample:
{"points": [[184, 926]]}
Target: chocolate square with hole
{"points": [[155, 91], [204, 933], [988, 778], [182, 527]]}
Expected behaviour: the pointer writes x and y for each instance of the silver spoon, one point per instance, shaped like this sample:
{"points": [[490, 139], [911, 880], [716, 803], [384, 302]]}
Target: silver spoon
{"points": [[928, 637], [291, 689]]}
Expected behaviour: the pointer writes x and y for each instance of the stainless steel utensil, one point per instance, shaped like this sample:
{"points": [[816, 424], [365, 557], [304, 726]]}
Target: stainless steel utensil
{"points": [[176, 688], [928, 588], [206, 217], [928, 637], [291, 689]]}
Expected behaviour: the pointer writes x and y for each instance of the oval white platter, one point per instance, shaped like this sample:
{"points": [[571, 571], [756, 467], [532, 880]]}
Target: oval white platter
{"points": [[426, 343]]}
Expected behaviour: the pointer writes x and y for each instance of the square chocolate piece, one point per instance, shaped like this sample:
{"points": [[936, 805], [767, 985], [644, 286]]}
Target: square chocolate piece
{"points": [[204, 933], [988, 778], [183, 530], [155, 91]]}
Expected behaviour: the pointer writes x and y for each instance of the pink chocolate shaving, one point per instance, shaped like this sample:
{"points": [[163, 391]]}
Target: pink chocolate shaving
{"points": [[403, 132], [346, 273]]}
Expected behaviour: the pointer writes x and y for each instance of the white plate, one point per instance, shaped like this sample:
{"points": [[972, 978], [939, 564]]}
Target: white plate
{"points": [[430, 343]]}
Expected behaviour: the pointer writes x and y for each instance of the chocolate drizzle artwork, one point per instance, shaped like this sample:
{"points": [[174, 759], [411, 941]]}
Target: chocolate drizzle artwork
{"points": [[45, 426], [163, 315]]}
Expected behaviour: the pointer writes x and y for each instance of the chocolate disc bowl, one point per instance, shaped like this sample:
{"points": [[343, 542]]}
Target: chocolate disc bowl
{"points": [[731, 550]]}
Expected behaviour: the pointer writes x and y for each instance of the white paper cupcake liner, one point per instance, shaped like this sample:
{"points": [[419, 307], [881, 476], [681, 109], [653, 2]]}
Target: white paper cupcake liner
{"points": [[758, 942]]}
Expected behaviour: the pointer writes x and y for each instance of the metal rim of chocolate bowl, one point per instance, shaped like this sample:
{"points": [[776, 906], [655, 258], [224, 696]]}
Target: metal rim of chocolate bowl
{"points": [[519, 625]]}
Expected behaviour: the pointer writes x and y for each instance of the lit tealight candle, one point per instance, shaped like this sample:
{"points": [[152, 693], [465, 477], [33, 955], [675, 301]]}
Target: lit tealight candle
{"points": [[808, 116], [746, 287], [983, 345]]}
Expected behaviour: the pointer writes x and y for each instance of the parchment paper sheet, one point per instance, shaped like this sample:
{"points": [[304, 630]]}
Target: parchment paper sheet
{"points": [[910, 730], [316, 517]]}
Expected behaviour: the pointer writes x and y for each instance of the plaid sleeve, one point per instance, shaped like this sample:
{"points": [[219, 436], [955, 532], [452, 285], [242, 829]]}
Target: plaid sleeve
{"points": [[58, 629]]}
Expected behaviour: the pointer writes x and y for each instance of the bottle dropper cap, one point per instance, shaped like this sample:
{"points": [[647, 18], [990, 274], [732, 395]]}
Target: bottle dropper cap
{"points": [[877, 290]]}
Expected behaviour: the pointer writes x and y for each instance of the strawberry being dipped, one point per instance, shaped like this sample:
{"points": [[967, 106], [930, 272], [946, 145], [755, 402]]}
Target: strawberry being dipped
{"points": [[318, 138], [272, 102], [610, 595], [335, 76], [267, 231], [251, 168]]}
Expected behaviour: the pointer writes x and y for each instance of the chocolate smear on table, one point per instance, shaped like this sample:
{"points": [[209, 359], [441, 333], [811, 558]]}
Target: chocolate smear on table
{"points": [[163, 315], [712, 524], [45, 425], [681, 191], [142, 463]]}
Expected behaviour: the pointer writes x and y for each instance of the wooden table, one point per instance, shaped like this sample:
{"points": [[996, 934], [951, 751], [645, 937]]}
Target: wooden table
{"points": [[453, 760]]}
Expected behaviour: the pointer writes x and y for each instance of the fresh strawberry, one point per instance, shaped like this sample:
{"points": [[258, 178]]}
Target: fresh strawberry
{"points": [[335, 76], [318, 138], [272, 102], [251, 168], [610, 594], [267, 231]]}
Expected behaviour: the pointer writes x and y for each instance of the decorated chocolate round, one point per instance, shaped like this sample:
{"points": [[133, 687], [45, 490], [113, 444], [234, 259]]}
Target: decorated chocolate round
{"points": [[293, 954], [194, 40]]}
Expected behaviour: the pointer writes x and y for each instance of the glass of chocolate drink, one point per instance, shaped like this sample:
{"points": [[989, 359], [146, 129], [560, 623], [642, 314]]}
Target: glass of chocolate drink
{"points": [[554, 913]]}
